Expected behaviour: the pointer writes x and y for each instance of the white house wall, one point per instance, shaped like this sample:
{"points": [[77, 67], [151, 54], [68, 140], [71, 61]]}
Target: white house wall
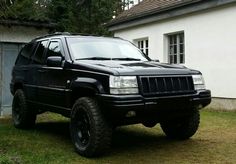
{"points": [[210, 45]]}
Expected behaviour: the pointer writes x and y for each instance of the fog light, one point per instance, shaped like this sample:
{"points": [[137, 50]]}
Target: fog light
{"points": [[199, 106], [130, 114]]}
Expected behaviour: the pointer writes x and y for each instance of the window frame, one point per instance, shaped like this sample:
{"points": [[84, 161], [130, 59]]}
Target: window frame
{"points": [[53, 41], [174, 39], [61, 49], [145, 45], [35, 50]]}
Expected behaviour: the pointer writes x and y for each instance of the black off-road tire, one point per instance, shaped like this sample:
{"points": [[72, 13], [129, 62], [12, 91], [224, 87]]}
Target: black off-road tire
{"points": [[182, 128], [22, 116], [91, 133], [149, 124]]}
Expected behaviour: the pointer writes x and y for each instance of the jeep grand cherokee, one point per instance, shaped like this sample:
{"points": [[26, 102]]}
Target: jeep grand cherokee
{"points": [[101, 83]]}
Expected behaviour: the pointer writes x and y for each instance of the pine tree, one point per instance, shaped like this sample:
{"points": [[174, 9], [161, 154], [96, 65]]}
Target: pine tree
{"points": [[24, 9]]}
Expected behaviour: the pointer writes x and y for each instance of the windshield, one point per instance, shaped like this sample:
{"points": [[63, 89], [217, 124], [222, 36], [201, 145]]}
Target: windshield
{"points": [[104, 49]]}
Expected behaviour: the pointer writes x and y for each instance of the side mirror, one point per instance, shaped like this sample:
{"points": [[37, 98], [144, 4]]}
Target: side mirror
{"points": [[54, 61]]}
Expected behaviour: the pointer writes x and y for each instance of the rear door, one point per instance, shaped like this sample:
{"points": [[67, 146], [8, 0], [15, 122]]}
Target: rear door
{"points": [[22, 69]]}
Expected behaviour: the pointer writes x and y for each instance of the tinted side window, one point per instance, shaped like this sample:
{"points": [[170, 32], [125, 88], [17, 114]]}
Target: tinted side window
{"points": [[54, 49], [25, 54], [38, 57]]}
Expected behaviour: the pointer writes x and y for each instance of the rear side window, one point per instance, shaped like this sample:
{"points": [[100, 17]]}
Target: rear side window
{"points": [[25, 54], [38, 57]]}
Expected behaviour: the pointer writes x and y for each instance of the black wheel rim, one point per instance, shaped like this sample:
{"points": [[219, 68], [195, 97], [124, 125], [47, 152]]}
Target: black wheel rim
{"points": [[82, 127]]}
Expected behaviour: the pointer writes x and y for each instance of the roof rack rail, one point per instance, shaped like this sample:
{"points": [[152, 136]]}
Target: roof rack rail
{"points": [[84, 34], [53, 34], [117, 37], [68, 33]]}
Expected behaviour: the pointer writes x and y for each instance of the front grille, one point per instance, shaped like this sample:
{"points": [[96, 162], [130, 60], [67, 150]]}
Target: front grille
{"points": [[172, 85]]}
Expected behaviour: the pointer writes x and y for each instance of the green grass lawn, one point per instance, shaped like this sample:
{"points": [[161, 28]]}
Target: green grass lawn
{"points": [[49, 142]]}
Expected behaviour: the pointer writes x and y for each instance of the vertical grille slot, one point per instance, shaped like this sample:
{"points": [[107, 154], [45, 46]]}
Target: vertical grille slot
{"points": [[167, 85], [184, 83], [161, 85], [145, 85], [176, 84], [153, 85]]}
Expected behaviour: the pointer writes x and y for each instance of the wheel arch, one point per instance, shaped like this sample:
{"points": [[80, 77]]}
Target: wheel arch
{"points": [[85, 87], [17, 85]]}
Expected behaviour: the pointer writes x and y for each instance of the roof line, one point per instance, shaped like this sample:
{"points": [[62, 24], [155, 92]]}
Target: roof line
{"points": [[151, 12], [8, 22], [167, 13]]}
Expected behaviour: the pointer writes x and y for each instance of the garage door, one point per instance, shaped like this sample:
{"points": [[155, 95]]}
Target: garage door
{"points": [[8, 54]]}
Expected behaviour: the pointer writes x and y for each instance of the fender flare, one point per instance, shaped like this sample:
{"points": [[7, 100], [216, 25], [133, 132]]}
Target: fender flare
{"points": [[18, 83], [87, 83]]}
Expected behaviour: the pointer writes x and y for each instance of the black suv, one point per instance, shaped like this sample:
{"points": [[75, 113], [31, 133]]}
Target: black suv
{"points": [[101, 83]]}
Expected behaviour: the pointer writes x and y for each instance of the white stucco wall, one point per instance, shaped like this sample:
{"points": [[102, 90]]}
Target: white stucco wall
{"points": [[20, 34], [210, 45]]}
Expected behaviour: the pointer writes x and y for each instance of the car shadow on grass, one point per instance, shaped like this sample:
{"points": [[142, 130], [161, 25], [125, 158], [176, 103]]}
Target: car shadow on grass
{"points": [[57, 129], [137, 139], [125, 139]]}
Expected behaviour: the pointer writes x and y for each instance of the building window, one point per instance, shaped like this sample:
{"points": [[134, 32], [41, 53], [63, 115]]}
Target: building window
{"points": [[143, 46], [176, 52]]}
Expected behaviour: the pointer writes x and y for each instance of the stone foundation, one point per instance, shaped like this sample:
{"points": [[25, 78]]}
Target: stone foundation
{"points": [[5, 111], [224, 104]]}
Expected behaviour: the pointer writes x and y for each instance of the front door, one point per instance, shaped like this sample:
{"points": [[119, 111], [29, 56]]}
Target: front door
{"points": [[53, 82]]}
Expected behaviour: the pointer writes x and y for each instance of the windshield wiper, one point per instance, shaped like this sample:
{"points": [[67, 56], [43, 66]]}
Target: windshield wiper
{"points": [[126, 59], [95, 58]]}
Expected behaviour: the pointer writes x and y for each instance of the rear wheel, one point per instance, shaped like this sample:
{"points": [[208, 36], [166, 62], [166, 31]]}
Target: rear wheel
{"points": [[182, 128], [22, 116], [90, 131]]}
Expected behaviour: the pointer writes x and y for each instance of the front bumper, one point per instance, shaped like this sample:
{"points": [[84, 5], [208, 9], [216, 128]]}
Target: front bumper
{"points": [[159, 107]]}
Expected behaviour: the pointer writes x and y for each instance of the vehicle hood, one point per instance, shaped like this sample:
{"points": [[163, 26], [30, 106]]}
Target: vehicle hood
{"points": [[134, 67]]}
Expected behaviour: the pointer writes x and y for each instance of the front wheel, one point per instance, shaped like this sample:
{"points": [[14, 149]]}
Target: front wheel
{"points": [[182, 128], [90, 131]]}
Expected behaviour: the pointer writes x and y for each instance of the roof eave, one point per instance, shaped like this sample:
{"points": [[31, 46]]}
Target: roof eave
{"points": [[167, 13], [47, 25], [148, 13]]}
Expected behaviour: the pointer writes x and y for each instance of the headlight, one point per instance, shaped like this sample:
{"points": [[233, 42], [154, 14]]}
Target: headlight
{"points": [[123, 85], [198, 82]]}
